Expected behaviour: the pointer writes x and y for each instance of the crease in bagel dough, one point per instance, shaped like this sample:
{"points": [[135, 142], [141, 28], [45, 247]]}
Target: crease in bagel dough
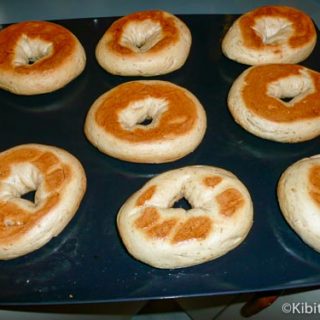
{"points": [[273, 30], [141, 37], [26, 178], [141, 110], [294, 87], [30, 50]]}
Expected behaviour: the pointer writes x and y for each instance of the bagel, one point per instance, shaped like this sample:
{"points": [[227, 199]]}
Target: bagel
{"points": [[165, 237], [257, 102], [144, 43], [59, 182], [299, 199], [270, 34], [115, 122], [38, 57]]}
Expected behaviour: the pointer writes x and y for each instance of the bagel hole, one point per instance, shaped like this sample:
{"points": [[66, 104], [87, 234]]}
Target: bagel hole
{"points": [[31, 60], [30, 196], [28, 51], [182, 203], [141, 36], [145, 122], [286, 99], [273, 30]]}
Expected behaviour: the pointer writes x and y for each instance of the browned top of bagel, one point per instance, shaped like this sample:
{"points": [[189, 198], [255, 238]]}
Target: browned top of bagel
{"points": [[154, 227], [55, 174], [304, 30], [178, 119], [169, 30], [258, 101], [62, 40]]}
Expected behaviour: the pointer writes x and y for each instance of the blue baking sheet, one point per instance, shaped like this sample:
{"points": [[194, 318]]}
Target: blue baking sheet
{"points": [[87, 261]]}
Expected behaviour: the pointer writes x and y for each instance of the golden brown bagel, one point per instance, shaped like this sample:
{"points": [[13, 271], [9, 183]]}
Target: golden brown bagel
{"points": [[270, 34], [178, 123], [38, 57], [255, 102], [144, 43], [165, 237], [59, 182], [299, 199]]}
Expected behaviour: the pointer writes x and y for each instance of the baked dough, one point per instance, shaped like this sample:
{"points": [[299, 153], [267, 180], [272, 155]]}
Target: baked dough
{"points": [[38, 57], [257, 102], [145, 43], [59, 182], [299, 199], [270, 34], [165, 237], [115, 123]]}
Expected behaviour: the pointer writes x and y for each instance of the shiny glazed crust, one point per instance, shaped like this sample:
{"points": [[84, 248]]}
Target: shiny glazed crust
{"points": [[145, 43], [38, 57], [178, 122], [270, 34], [298, 195], [165, 237], [59, 182]]}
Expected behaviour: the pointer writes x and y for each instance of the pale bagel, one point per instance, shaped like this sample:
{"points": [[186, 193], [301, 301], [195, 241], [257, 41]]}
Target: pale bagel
{"points": [[165, 237], [299, 199], [145, 43], [38, 57], [270, 34], [178, 122], [59, 182], [255, 102]]}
